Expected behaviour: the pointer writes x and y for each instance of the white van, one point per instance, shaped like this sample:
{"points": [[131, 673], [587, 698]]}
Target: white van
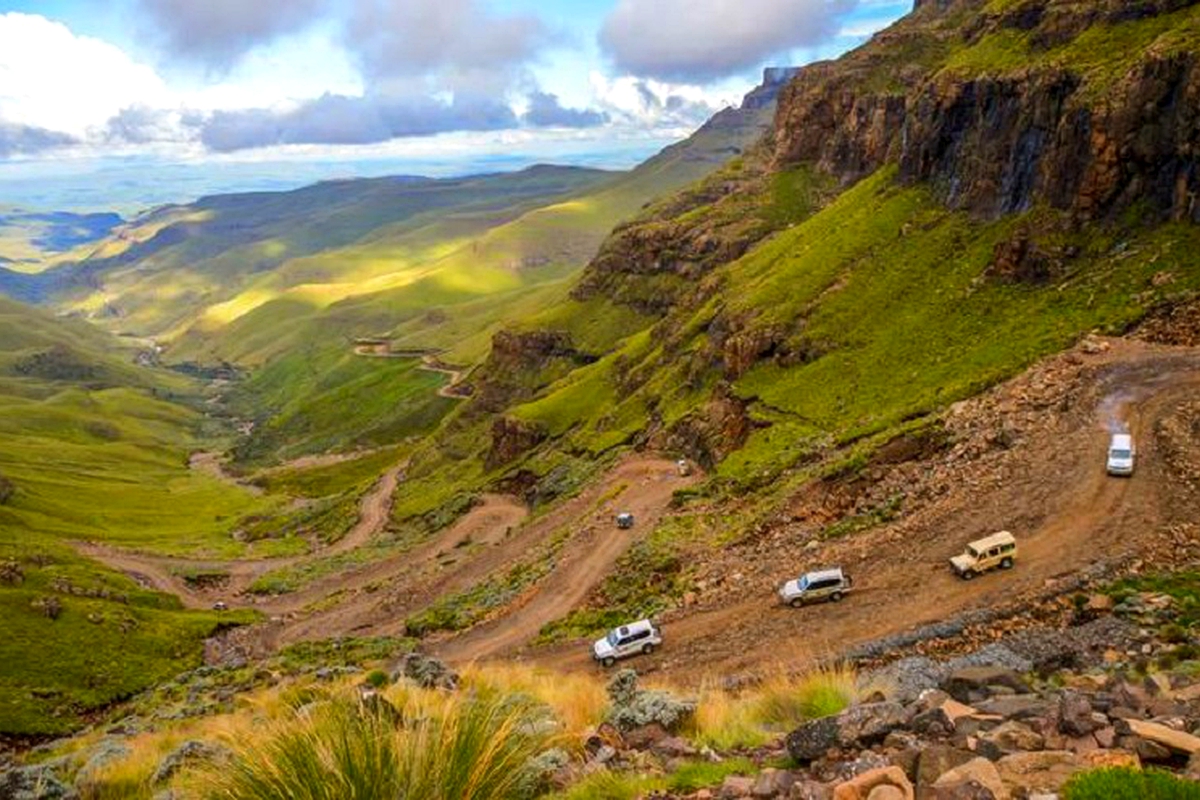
{"points": [[640, 637], [1120, 455]]}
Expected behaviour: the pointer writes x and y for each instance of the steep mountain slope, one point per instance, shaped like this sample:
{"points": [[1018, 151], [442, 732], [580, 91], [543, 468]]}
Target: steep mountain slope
{"points": [[974, 190], [988, 217]]}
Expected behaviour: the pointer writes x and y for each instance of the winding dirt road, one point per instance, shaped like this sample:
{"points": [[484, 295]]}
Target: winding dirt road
{"points": [[163, 573], [587, 560], [453, 390], [1049, 488], [1067, 513]]}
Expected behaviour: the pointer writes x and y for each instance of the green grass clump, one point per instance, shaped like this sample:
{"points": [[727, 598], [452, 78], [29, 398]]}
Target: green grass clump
{"points": [[472, 749], [611, 786], [331, 479], [696, 775], [327, 519], [1130, 784], [1182, 587]]}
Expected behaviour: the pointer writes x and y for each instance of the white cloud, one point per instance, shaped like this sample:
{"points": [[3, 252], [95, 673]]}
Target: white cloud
{"points": [[658, 104], [52, 79], [704, 40]]}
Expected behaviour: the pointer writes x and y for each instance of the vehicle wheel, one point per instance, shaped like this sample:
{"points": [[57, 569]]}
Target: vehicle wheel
{"points": [[608, 662], [796, 602], [969, 575], [836, 597], [648, 649], [1006, 564]]}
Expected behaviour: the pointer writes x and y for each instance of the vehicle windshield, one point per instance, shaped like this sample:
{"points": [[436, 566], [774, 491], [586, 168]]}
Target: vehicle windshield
{"points": [[972, 552], [802, 584], [1121, 454], [612, 638]]}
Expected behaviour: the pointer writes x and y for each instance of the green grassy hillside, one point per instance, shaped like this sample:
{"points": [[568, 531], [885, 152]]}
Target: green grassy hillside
{"points": [[92, 449], [211, 262], [786, 317]]}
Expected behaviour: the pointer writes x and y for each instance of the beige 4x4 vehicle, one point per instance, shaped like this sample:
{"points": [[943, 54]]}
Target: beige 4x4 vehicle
{"points": [[998, 551]]}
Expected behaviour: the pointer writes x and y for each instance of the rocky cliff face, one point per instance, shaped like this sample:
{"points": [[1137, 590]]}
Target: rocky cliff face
{"points": [[1091, 108], [997, 138], [522, 362]]}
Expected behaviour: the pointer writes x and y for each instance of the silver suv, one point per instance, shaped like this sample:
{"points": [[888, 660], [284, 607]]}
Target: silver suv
{"points": [[813, 587], [628, 640]]}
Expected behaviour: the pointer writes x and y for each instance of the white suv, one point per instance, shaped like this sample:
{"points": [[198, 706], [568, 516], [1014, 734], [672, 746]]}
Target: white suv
{"points": [[628, 640], [811, 587], [1121, 455]]}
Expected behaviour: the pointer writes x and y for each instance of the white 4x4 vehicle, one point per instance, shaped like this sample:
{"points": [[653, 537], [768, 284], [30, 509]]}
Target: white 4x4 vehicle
{"points": [[811, 587], [1120, 455], [628, 640]]}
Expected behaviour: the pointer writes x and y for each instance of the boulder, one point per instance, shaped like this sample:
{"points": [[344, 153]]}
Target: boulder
{"points": [[973, 684], [977, 779], [736, 786], [673, 747], [771, 783], [1048, 771], [425, 671], [645, 737], [189, 753], [942, 715], [870, 723], [934, 762], [1176, 741], [813, 739], [1015, 706], [855, 727], [1011, 737], [38, 782], [865, 786], [634, 708], [1075, 715], [810, 790]]}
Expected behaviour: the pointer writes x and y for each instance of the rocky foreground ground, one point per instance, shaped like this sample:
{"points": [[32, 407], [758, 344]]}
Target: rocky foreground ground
{"points": [[1005, 722]]}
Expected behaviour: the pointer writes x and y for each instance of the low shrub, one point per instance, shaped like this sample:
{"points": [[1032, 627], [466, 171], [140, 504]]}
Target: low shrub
{"points": [[786, 702], [696, 775], [1130, 784], [465, 749]]}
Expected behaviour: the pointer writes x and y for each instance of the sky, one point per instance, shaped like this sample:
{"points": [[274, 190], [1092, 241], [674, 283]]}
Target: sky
{"points": [[436, 84]]}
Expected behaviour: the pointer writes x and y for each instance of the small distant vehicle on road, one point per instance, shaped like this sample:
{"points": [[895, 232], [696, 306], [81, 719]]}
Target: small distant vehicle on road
{"points": [[998, 551], [685, 469], [220, 605], [638, 638], [814, 587], [624, 521], [1121, 455]]}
